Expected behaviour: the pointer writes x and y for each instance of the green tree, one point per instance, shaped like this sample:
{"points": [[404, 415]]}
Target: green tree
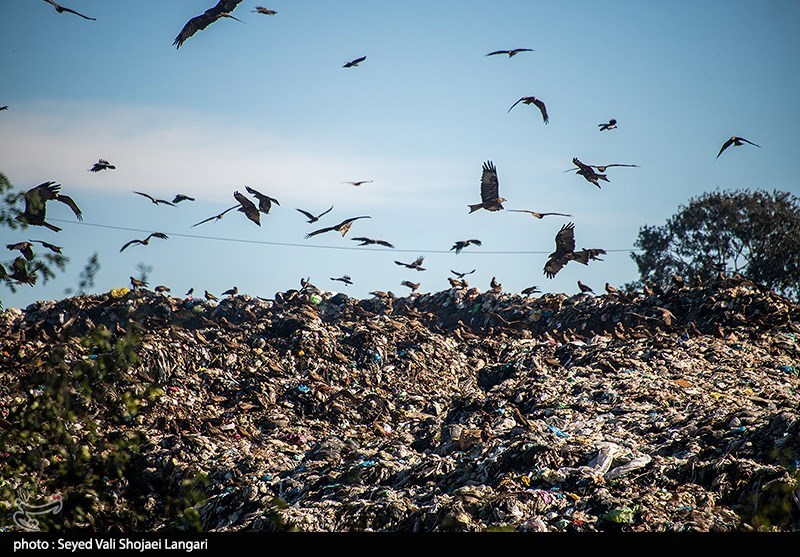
{"points": [[754, 233], [42, 265]]}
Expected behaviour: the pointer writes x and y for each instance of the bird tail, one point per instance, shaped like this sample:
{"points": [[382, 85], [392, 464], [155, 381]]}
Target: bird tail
{"points": [[473, 208], [52, 227]]}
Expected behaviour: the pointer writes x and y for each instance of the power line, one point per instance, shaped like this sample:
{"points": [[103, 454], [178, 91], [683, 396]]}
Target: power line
{"points": [[311, 246]]}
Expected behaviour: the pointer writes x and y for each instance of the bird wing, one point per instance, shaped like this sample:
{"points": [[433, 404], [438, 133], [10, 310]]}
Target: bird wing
{"points": [[325, 213], [552, 214], [76, 13], [475, 242], [543, 109], [51, 247], [150, 197], [524, 211], [725, 146], [384, 243], [554, 265], [205, 19], [750, 142], [565, 240], [308, 215], [130, 244], [248, 208], [402, 264], [219, 216], [68, 201], [522, 50], [586, 255], [355, 62], [497, 52], [363, 239], [160, 235], [418, 261], [603, 167], [489, 184], [516, 103], [321, 231], [350, 220]]}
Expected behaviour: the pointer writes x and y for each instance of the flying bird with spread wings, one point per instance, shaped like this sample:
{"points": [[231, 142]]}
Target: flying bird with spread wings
{"points": [[565, 252], [19, 272], [25, 248], [247, 207], [587, 172], [370, 242], [536, 215], [414, 286], [534, 101], [354, 63], [216, 217], [461, 244], [154, 200], [736, 141], [51, 247], [342, 228], [344, 278], [146, 241], [311, 218], [264, 201], [263, 10], [462, 275], [102, 164], [612, 124], [180, 197], [511, 53], [416, 264], [359, 182], [490, 194], [35, 205], [200, 22], [5, 107], [62, 9]]}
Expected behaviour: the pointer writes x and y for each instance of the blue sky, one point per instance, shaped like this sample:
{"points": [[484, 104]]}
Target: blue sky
{"points": [[268, 104]]}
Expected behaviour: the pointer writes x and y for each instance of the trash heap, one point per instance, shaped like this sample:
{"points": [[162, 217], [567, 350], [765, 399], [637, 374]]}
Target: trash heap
{"points": [[451, 411]]}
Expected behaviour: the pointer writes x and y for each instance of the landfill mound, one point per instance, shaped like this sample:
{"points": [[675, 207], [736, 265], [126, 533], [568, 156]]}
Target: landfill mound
{"points": [[453, 411]]}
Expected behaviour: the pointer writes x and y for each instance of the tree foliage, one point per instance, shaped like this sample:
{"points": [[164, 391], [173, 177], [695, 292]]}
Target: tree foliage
{"points": [[753, 233]]}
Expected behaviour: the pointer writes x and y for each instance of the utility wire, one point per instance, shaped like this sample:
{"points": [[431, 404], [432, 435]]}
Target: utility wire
{"points": [[312, 246]]}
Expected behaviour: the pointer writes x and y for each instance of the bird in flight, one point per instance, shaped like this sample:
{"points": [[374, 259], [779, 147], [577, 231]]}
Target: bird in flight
{"points": [[416, 264], [247, 207], [369, 241], [461, 244], [311, 218], [35, 205], [216, 217], [136, 283], [511, 53], [736, 141], [359, 183], [536, 215], [265, 11], [530, 290], [462, 275], [565, 252], [342, 228], [231, 292], [414, 286], [584, 288], [180, 197], [264, 201], [4, 107], [539, 104], [154, 200], [62, 9], [161, 288], [344, 278], [200, 22], [146, 241], [102, 164], [612, 124], [490, 196], [51, 247], [25, 248], [587, 172], [354, 63]]}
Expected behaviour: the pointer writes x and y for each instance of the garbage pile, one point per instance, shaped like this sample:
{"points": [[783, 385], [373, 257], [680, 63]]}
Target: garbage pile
{"points": [[453, 411]]}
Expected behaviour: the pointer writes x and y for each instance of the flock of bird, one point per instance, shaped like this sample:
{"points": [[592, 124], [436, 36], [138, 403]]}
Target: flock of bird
{"points": [[36, 198]]}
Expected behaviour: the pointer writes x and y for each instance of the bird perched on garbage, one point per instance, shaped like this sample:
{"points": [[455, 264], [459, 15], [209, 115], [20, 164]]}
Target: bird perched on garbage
{"points": [[51, 247], [190, 292], [154, 200], [490, 190], [414, 286], [102, 164], [264, 201], [247, 207], [161, 288], [611, 290], [736, 141], [495, 286], [231, 291], [677, 280], [457, 283], [210, 297], [370, 241], [342, 228], [265, 11], [565, 252], [462, 275], [536, 102], [222, 9], [311, 218], [62, 9], [180, 197], [536, 215], [354, 63], [344, 278], [146, 241], [25, 248], [359, 183], [612, 124], [416, 264], [136, 283], [511, 53], [35, 205], [216, 217], [530, 290], [461, 244], [584, 288]]}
